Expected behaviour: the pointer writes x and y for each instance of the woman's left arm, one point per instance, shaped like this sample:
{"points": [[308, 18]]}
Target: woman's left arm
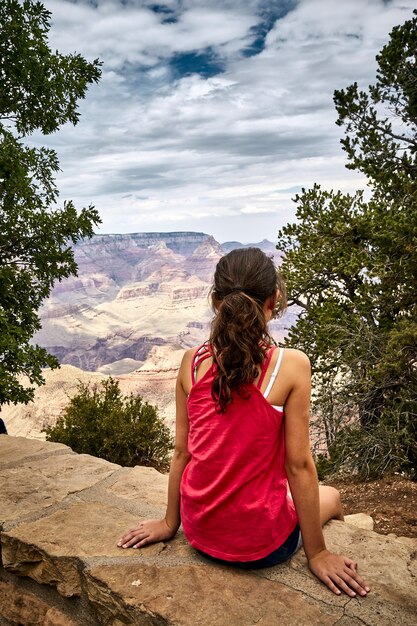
{"points": [[153, 530]]}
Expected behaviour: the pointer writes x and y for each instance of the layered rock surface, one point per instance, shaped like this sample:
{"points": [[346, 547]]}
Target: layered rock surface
{"points": [[133, 292], [62, 514], [138, 301]]}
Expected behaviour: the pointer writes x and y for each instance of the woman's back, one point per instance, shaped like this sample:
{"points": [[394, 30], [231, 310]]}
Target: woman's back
{"points": [[235, 479]]}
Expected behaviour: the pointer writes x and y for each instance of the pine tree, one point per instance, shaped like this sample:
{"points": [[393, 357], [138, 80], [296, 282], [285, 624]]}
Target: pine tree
{"points": [[351, 265], [39, 92]]}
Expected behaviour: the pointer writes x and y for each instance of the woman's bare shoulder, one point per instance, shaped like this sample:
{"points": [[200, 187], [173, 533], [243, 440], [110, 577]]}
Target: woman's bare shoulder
{"points": [[188, 356], [190, 352], [297, 358], [184, 378]]}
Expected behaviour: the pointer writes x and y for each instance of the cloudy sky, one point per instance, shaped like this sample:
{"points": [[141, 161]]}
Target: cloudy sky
{"points": [[211, 114]]}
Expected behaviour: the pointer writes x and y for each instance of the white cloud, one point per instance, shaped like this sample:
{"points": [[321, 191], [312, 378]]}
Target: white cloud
{"points": [[197, 153]]}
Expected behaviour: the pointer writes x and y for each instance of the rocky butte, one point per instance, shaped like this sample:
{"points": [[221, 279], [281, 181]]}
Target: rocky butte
{"points": [[61, 515]]}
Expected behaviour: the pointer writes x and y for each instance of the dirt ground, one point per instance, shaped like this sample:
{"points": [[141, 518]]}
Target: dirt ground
{"points": [[391, 502]]}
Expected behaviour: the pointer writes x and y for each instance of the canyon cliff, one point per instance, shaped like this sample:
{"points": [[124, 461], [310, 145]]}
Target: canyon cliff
{"points": [[138, 301], [134, 292]]}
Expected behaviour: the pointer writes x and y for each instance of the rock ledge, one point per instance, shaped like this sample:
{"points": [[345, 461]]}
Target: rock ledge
{"points": [[61, 515]]}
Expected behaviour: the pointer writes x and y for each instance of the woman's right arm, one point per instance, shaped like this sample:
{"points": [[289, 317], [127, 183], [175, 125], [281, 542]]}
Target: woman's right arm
{"points": [[336, 571], [153, 530]]}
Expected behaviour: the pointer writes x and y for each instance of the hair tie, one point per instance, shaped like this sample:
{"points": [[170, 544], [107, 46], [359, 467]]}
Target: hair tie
{"points": [[245, 292]]}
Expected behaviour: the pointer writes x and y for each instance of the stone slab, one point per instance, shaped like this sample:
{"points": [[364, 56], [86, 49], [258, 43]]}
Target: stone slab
{"points": [[360, 520], [40, 483], [16, 449], [72, 547], [388, 564], [198, 595], [300, 579], [24, 608], [50, 550], [144, 485]]}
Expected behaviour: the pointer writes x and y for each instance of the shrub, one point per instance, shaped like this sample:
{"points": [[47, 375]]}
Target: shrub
{"points": [[365, 453], [102, 422]]}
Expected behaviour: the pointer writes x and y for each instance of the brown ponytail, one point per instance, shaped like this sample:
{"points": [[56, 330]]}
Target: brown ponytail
{"points": [[243, 281]]}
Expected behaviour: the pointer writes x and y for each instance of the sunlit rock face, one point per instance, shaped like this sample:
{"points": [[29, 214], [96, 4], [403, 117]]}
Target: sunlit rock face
{"points": [[137, 303], [134, 292]]}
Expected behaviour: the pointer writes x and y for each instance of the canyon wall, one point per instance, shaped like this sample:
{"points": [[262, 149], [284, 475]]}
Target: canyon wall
{"points": [[134, 292], [138, 302]]}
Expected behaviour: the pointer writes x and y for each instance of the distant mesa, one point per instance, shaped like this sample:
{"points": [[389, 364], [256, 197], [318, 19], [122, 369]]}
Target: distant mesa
{"points": [[134, 291]]}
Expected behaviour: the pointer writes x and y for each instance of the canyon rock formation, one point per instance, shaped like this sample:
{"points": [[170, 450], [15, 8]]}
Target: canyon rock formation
{"points": [[138, 301], [134, 292]]}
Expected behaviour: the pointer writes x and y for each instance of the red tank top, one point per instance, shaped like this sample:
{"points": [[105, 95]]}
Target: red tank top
{"points": [[234, 501]]}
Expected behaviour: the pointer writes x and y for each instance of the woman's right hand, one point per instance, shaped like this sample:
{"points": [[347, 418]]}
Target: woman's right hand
{"points": [[149, 531], [338, 573]]}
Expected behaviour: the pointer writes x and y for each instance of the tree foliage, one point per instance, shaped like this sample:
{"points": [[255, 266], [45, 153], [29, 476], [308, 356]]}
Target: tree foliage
{"points": [[121, 429], [40, 91], [351, 265]]}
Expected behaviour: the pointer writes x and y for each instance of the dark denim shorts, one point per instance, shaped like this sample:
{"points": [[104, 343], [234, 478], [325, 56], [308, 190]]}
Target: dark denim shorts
{"points": [[281, 554]]}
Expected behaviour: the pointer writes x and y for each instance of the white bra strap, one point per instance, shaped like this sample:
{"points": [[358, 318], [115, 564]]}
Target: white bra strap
{"points": [[274, 373]]}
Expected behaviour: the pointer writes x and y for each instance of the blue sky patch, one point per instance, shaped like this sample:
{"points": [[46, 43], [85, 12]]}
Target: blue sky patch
{"points": [[167, 14], [205, 63], [269, 14]]}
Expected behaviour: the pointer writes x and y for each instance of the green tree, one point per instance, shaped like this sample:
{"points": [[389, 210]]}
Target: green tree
{"points": [[121, 429], [39, 92], [351, 265]]}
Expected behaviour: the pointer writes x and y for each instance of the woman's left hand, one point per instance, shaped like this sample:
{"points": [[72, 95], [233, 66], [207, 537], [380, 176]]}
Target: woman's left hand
{"points": [[149, 531], [339, 573]]}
